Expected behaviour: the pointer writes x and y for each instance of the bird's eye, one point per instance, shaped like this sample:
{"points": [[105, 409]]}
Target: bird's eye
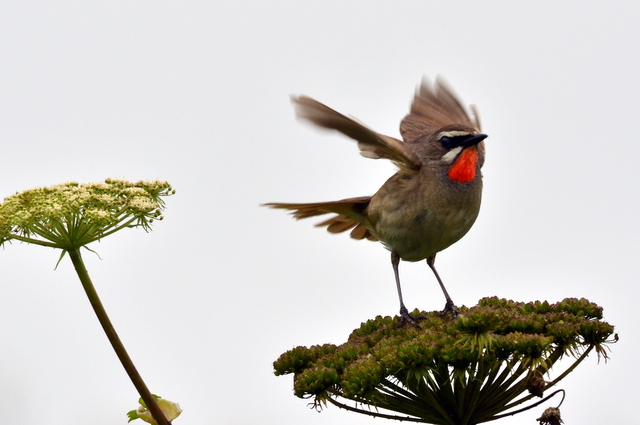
{"points": [[446, 142]]}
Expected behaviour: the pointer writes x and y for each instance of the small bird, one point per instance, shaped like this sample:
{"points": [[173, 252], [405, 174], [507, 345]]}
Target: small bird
{"points": [[430, 202]]}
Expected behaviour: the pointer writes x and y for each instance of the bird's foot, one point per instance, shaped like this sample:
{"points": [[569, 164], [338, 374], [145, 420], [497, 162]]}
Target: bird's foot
{"points": [[406, 317], [449, 307]]}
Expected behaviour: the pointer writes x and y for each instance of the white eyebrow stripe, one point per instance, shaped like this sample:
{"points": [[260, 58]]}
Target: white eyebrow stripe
{"points": [[454, 133], [448, 157]]}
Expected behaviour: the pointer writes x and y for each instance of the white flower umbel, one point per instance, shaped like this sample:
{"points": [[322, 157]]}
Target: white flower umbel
{"points": [[70, 216]]}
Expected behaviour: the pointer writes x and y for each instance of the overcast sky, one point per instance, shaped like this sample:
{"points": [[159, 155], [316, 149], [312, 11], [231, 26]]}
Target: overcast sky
{"points": [[197, 93]]}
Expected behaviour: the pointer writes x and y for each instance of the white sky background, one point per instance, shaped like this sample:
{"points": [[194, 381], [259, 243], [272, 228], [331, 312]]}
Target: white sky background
{"points": [[198, 94]]}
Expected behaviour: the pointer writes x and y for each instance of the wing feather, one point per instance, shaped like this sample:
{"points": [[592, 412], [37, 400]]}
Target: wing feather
{"points": [[371, 144], [434, 108]]}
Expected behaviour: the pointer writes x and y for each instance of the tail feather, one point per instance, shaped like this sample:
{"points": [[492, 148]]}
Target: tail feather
{"points": [[349, 215], [338, 224], [361, 232]]}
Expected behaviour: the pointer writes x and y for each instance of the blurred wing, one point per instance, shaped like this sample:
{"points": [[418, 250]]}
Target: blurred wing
{"points": [[434, 108], [372, 145]]}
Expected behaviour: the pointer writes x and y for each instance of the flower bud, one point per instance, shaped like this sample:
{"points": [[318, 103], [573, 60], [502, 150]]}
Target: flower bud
{"points": [[170, 409]]}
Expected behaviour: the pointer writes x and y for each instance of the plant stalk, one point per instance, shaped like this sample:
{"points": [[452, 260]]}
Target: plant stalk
{"points": [[115, 341]]}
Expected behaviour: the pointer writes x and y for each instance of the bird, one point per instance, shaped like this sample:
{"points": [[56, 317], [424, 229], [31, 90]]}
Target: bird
{"points": [[432, 200]]}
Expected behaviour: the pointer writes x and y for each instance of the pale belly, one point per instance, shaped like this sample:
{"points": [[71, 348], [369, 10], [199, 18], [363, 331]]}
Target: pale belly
{"points": [[417, 236]]}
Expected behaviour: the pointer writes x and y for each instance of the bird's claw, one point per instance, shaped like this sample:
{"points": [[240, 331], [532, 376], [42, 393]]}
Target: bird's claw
{"points": [[406, 317], [449, 307]]}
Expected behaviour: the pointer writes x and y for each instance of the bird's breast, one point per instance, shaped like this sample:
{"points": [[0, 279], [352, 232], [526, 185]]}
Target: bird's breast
{"points": [[417, 224]]}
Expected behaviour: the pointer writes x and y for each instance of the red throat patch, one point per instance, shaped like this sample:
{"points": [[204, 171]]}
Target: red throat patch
{"points": [[463, 170]]}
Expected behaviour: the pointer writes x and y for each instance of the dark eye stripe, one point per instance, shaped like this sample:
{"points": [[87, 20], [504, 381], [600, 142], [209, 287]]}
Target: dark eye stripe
{"points": [[451, 142]]}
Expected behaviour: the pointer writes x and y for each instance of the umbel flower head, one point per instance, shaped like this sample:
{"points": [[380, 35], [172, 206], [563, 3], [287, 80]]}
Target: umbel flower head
{"points": [[71, 215], [475, 369]]}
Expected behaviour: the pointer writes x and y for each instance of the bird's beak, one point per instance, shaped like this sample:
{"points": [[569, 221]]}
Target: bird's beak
{"points": [[473, 140]]}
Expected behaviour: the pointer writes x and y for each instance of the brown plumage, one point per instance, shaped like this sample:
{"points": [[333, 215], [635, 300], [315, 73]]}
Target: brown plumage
{"points": [[433, 199]]}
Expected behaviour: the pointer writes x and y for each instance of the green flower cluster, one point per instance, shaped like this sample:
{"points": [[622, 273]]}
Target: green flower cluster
{"points": [[72, 215], [465, 371]]}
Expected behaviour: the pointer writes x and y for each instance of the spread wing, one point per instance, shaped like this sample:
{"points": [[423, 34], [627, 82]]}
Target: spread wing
{"points": [[372, 145], [434, 108]]}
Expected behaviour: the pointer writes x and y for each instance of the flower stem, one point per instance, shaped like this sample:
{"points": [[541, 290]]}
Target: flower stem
{"points": [[108, 328]]}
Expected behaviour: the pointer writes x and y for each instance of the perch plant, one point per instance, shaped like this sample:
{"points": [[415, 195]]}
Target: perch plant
{"points": [[472, 370], [69, 217]]}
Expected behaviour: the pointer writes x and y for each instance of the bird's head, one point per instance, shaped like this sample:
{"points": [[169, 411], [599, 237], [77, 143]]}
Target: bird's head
{"points": [[458, 149]]}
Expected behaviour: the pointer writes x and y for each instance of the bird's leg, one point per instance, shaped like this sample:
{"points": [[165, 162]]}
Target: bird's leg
{"points": [[449, 306], [405, 317]]}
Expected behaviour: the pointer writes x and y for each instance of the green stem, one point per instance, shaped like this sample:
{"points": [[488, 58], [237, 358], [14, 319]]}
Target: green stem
{"points": [[108, 328], [374, 414], [569, 370], [530, 407]]}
